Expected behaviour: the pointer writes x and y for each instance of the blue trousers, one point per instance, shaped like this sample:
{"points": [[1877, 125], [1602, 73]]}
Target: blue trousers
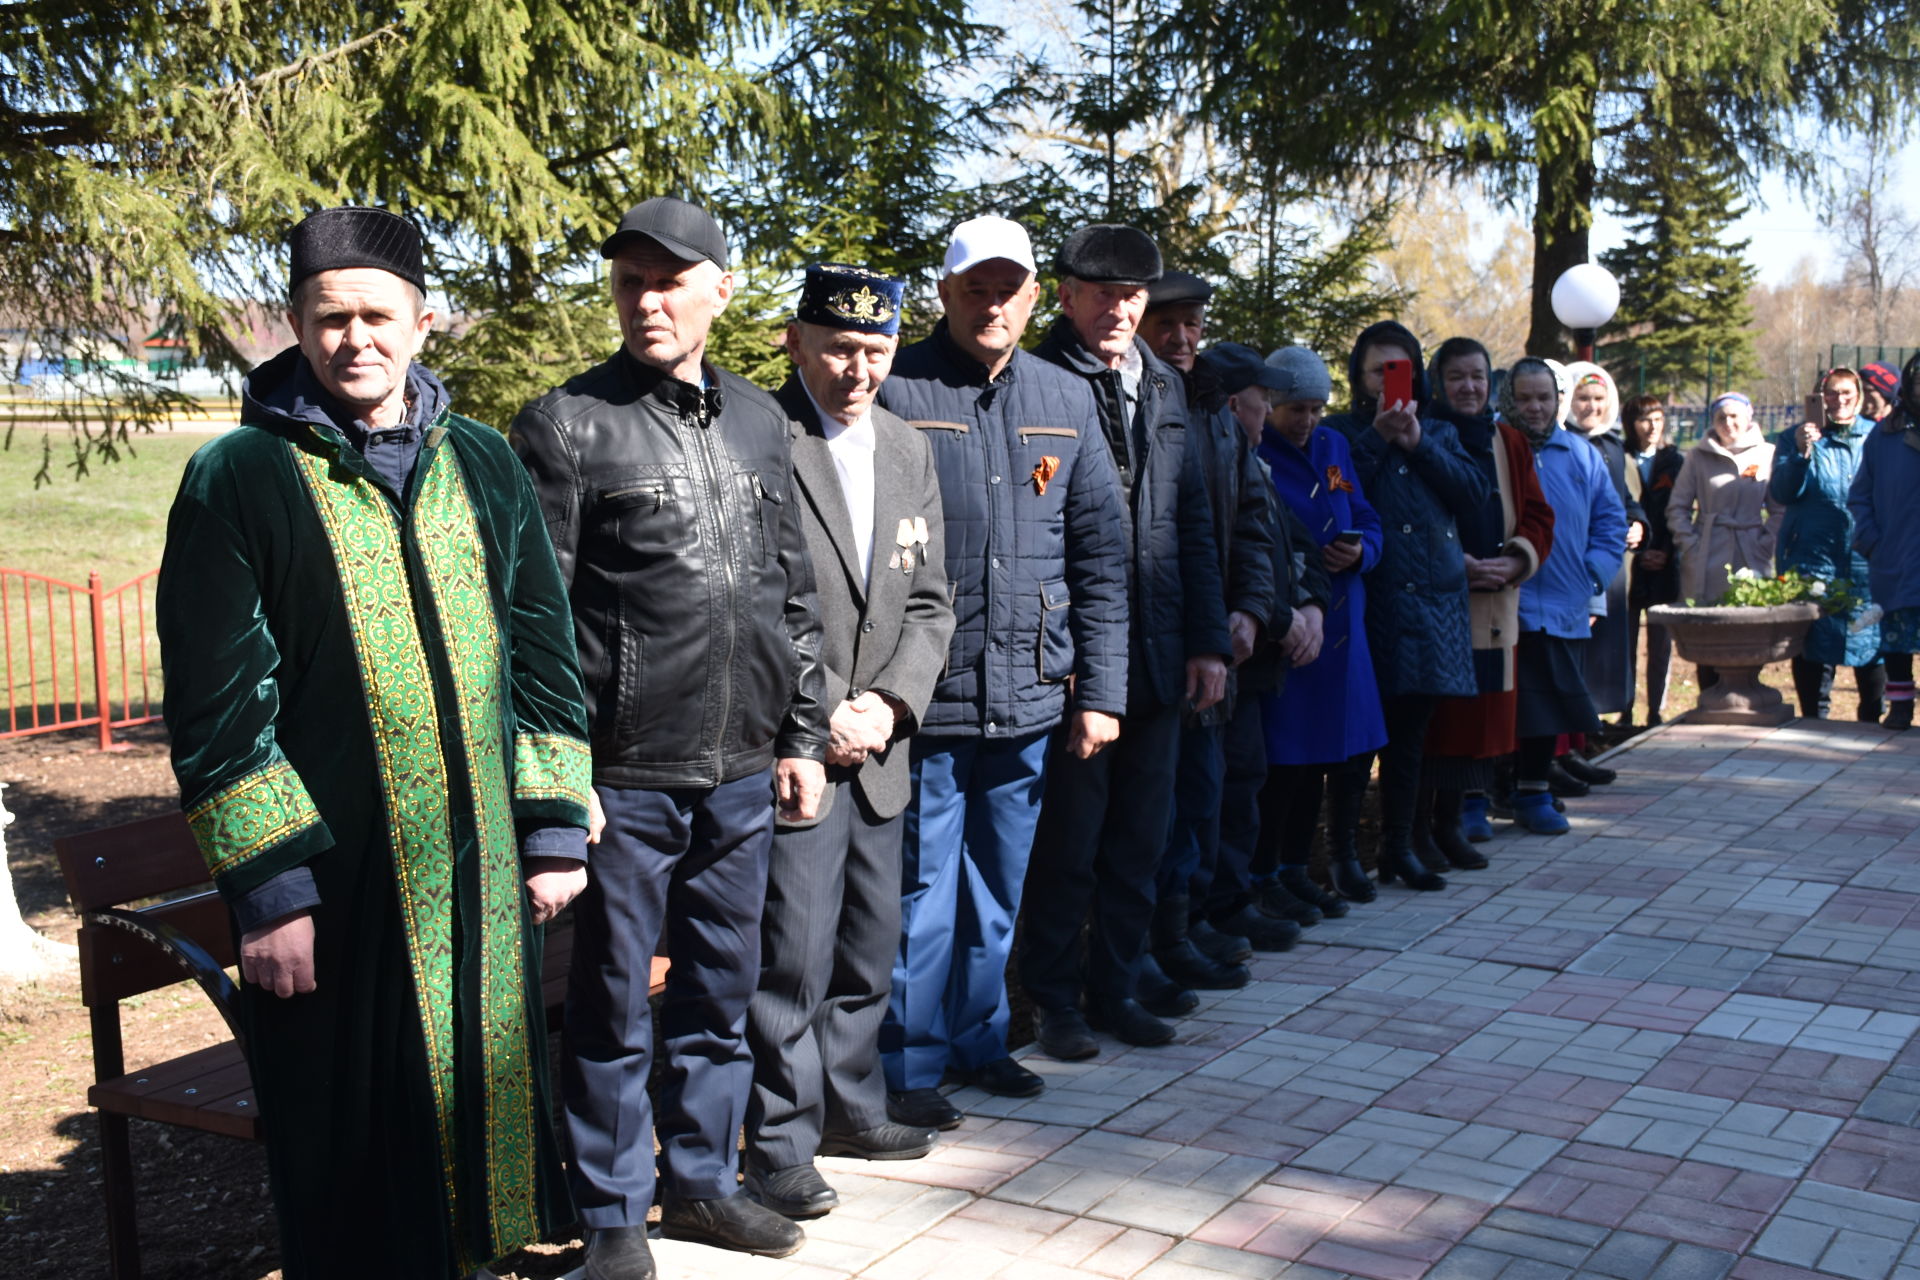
{"points": [[963, 859], [691, 861]]}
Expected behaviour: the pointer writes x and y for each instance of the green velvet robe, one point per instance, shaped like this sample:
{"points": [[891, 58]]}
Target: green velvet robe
{"points": [[379, 699]]}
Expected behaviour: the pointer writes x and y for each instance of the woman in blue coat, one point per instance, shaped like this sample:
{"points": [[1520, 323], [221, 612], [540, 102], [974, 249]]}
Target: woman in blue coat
{"points": [[1886, 529], [1813, 468], [1422, 483], [1326, 724], [1557, 603]]}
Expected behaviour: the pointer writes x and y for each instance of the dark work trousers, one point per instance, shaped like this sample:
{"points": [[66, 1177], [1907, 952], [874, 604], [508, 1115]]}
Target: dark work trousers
{"points": [[1193, 835], [1102, 831], [1227, 885], [963, 858], [1407, 717], [827, 942], [694, 861]]}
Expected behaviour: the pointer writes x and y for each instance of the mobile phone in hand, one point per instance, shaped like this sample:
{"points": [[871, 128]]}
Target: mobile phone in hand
{"points": [[1348, 537], [1816, 409], [1397, 379]]}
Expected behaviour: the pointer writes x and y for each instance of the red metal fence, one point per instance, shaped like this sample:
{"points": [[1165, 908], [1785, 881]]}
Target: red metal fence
{"points": [[66, 645]]}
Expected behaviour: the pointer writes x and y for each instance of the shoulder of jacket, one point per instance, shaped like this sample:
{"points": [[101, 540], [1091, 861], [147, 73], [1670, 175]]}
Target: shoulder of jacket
{"points": [[576, 397]]}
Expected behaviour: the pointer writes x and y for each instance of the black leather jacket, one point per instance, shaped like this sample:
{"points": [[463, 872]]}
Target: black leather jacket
{"points": [[671, 513]]}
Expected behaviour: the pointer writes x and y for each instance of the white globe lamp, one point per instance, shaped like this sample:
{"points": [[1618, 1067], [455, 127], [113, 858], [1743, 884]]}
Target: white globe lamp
{"points": [[1584, 298]]}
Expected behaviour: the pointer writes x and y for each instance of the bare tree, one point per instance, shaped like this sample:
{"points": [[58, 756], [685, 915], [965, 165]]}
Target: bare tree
{"points": [[1881, 238]]}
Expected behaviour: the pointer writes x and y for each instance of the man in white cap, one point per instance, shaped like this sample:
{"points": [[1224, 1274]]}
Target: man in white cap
{"points": [[1036, 552]]}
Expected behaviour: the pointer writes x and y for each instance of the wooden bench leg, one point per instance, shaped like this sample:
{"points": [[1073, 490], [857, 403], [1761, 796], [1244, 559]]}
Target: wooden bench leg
{"points": [[116, 1175]]}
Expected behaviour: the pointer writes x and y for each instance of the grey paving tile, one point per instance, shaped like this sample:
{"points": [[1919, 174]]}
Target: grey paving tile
{"points": [[1691, 1126], [1482, 984], [1479, 1162], [1895, 1100], [1605, 1052], [1882, 946], [1805, 1024]]}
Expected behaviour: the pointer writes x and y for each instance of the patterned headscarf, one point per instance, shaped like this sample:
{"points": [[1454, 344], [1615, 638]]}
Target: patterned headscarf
{"points": [[1521, 368]]}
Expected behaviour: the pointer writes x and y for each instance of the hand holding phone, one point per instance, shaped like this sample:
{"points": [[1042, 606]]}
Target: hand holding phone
{"points": [[1396, 382]]}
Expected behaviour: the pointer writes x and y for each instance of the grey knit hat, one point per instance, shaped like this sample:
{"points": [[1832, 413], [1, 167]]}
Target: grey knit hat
{"points": [[1304, 373]]}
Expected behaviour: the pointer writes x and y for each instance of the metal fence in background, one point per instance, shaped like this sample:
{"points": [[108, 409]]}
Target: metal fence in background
{"points": [[78, 657]]}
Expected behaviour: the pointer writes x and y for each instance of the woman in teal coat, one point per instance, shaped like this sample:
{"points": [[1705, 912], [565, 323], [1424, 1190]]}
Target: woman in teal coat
{"points": [[1813, 467]]}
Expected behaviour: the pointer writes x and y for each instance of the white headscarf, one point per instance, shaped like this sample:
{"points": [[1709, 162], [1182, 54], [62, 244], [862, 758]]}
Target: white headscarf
{"points": [[1586, 371]]}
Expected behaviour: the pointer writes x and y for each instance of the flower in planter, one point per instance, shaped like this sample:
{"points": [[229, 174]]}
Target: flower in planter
{"points": [[1749, 589]]}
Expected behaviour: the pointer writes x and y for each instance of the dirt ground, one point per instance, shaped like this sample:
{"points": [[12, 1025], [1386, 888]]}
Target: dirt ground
{"points": [[203, 1202]]}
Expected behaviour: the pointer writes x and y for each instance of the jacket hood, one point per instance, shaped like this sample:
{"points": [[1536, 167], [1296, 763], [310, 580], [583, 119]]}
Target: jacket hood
{"points": [[1392, 333], [286, 388]]}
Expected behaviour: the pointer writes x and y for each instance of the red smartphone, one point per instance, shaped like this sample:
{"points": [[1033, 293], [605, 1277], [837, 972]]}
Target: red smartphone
{"points": [[1397, 376]]}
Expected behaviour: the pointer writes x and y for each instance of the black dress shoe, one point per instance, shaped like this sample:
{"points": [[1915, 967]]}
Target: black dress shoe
{"points": [[731, 1222], [1064, 1034], [1160, 995], [1400, 864], [1126, 1020], [1594, 775], [1350, 881], [1457, 849], [798, 1191], [1275, 899], [1002, 1076], [1184, 963], [882, 1142], [1222, 946], [922, 1109], [1562, 783], [1266, 933], [618, 1253]]}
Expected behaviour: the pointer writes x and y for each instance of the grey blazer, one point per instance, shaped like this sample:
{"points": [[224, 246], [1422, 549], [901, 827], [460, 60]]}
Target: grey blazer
{"points": [[891, 634]]}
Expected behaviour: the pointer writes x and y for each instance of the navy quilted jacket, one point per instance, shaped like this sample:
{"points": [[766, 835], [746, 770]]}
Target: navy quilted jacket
{"points": [[1037, 539], [1417, 624]]}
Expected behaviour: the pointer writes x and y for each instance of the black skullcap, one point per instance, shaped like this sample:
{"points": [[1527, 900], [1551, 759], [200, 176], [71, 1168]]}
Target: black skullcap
{"points": [[843, 297], [684, 230], [1178, 286], [1108, 254], [354, 236]]}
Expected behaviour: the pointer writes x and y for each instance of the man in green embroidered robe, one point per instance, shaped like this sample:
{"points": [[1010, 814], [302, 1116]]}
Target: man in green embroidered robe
{"points": [[379, 736]]}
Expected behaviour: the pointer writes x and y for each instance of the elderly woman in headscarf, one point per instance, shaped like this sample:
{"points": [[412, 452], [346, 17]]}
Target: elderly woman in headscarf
{"points": [[1722, 517], [1505, 540], [1595, 414], [1813, 468], [1886, 529], [1589, 541]]}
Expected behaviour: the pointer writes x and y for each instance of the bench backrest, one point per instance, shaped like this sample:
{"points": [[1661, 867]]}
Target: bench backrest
{"points": [[129, 866]]}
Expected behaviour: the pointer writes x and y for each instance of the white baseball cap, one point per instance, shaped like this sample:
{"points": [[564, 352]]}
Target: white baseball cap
{"points": [[979, 240]]}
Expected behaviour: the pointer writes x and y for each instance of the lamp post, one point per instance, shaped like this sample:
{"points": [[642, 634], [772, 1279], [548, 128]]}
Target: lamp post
{"points": [[1584, 298]]}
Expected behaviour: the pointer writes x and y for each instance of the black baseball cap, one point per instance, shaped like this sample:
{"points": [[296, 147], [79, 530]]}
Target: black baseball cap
{"points": [[683, 229], [1238, 367]]}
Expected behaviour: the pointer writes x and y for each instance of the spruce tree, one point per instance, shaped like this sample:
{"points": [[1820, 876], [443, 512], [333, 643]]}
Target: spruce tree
{"points": [[1684, 282]]}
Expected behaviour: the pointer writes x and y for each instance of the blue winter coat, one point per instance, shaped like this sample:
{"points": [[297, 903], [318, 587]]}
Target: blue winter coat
{"points": [[1816, 533], [1330, 708], [1589, 538], [1037, 567], [1417, 622], [1178, 606], [1886, 517]]}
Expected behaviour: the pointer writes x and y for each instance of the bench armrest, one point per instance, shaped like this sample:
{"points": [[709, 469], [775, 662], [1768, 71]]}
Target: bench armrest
{"points": [[188, 954]]}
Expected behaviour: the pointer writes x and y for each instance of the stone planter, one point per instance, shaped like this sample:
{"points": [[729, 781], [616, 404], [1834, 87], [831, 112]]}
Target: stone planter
{"points": [[1737, 641]]}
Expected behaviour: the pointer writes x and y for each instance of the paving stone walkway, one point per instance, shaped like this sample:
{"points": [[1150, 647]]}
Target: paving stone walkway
{"points": [[1676, 1043]]}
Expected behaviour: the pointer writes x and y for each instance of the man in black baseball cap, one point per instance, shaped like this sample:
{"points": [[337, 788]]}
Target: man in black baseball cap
{"points": [[667, 486]]}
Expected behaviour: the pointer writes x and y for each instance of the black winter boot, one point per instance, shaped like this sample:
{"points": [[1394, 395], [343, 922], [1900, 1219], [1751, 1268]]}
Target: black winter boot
{"points": [[1302, 887], [1450, 837], [1345, 790], [1183, 962], [1421, 836], [1871, 681]]}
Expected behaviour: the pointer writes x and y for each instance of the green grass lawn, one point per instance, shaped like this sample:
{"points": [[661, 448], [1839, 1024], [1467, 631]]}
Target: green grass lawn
{"points": [[112, 519]]}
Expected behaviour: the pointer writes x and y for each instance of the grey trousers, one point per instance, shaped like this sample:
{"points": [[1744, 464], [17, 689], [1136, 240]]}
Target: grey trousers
{"points": [[828, 937]]}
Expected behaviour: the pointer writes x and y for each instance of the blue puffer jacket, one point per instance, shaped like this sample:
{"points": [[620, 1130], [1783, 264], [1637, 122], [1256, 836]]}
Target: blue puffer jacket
{"points": [[1037, 567], [1178, 603], [1886, 519], [1816, 533], [1417, 618]]}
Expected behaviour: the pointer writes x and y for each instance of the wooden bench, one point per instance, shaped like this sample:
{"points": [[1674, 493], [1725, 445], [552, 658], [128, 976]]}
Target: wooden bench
{"points": [[180, 929]]}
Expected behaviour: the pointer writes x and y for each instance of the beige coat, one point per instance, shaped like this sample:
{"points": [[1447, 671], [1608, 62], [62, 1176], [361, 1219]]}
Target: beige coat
{"points": [[1720, 515]]}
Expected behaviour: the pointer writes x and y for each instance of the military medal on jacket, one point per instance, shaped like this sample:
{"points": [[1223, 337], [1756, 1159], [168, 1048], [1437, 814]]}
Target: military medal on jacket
{"points": [[911, 533]]}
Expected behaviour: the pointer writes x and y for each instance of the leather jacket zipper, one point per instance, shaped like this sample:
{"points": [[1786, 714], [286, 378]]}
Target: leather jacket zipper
{"points": [[723, 544]]}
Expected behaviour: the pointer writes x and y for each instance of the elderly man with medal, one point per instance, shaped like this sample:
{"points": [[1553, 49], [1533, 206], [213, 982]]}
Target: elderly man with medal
{"points": [[869, 502]]}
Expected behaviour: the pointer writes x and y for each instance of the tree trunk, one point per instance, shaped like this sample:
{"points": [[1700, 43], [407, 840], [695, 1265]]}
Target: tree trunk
{"points": [[24, 954], [1562, 222]]}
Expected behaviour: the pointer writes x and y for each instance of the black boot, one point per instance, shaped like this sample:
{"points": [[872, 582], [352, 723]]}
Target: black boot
{"points": [[1345, 790], [1872, 683], [1421, 836], [1564, 784], [1594, 775], [1450, 837], [1262, 932], [1303, 888], [1899, 715], [1222, 946], [1180, 959], [1398, 862], [1813, 687]]}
